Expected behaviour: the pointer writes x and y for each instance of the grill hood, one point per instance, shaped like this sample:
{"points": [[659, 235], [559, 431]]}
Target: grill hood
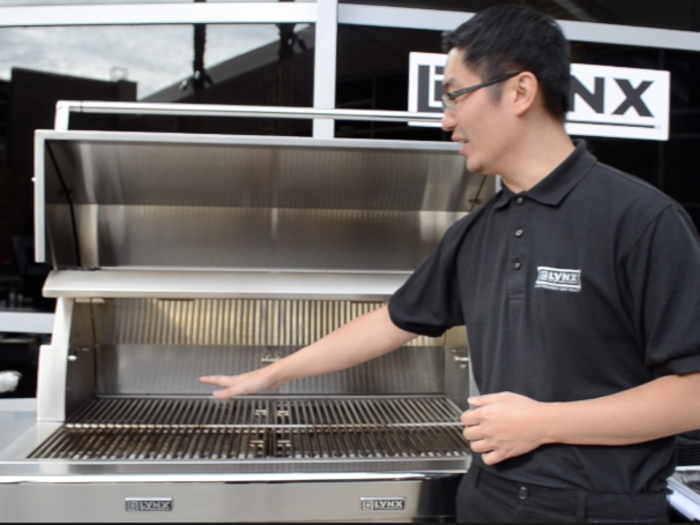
{"points": [[345, 216]]}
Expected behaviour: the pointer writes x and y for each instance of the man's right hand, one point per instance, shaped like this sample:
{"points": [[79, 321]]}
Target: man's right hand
{"points": [[249, 383]]}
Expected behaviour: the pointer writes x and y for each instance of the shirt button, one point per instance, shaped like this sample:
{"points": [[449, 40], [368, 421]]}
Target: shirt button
{"points": [[519, 233], [517, 265], [519, 200], [522, 493]]}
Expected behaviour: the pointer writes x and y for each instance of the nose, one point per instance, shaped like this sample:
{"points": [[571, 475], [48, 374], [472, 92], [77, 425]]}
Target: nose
{"points": [[448, 121]]}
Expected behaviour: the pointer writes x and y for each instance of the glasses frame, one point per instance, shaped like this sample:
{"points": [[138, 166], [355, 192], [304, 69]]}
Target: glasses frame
{"points": [[449, 98]]}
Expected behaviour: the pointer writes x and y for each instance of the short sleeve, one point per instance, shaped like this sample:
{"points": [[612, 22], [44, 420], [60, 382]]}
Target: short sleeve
{"points": [[429, 302], [663, 275]]}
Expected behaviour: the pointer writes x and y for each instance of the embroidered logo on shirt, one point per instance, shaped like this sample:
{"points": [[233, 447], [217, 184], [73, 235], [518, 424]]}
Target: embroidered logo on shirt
{"points": [[558, 279]]}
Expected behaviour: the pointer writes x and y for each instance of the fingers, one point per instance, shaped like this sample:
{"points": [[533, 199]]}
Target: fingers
{"points": [[489, 453], [471, 418], [227, 393], [473, 433], [480, 401], [231, 382], [216, 380], [493, 457]]}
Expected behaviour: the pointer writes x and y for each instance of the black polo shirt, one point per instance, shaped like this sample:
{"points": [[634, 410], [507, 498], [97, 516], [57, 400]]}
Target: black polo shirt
{"points": [[586, 285]]}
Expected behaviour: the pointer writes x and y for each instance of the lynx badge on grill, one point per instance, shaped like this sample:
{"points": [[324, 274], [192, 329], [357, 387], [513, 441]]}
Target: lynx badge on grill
{"points": [[149, 504]]}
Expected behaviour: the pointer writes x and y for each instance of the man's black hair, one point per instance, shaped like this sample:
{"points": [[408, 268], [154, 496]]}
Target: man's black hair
{"points": [[506, 38]]}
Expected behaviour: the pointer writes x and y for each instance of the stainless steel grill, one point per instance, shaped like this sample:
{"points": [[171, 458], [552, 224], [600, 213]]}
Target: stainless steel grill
{"points": [[177, 256], [261, 428]]}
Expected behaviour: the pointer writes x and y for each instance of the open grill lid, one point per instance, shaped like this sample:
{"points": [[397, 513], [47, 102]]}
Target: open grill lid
{"points": [[139, 214]]}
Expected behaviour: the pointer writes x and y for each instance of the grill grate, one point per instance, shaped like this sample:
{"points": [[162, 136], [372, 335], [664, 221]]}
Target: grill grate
{"points": [[259, 428]]}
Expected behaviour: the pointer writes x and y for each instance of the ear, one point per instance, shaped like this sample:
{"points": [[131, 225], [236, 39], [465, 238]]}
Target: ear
{"points": [[524, 90]]}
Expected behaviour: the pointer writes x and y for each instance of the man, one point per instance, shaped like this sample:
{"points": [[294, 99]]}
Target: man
{"points": [[579, 286]]}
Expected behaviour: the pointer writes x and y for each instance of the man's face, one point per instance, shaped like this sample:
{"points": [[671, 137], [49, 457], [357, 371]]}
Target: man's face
{"points": [[477, 121]]}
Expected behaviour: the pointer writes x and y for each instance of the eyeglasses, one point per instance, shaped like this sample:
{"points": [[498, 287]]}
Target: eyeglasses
{"points": [[448, 99]]}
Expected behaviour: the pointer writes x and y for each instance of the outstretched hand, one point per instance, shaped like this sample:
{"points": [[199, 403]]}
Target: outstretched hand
{"points": [[249, 383], [505, 425]]}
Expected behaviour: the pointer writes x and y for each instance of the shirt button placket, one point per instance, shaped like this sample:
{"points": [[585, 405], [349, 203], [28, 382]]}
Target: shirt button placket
{"points": [[517, 248]]}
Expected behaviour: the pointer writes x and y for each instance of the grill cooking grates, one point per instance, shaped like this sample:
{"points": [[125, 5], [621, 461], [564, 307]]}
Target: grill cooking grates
{"points": [[190, 429]]}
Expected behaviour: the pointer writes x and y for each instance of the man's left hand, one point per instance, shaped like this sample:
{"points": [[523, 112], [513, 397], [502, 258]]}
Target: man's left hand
{"points": [[504, 425]]}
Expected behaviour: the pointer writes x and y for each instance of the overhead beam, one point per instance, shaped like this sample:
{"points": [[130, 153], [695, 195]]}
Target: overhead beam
{"points": [[159, 14], [435, 20]]}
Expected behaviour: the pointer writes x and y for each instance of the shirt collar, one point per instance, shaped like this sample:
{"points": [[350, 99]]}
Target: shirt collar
{"points": [[554, 187]]}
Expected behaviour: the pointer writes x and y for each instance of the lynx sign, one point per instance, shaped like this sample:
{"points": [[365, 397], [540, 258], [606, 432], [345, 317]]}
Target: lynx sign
{"points": [[604, 101]]}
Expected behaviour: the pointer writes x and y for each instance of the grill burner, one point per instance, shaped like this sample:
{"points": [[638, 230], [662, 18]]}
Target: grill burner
{"points": [[259, 428]]}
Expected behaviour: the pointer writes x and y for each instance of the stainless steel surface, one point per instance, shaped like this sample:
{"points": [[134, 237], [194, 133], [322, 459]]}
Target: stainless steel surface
{"points": [[161, 347], [334, 501], [179, 256], [40, 238], [685, 492], [16, 416], [256, 202], [53, 364], [173, 370], [263, 428], [272, 238], [65, 107], [264, 323], [143, 369], [168, 284]]}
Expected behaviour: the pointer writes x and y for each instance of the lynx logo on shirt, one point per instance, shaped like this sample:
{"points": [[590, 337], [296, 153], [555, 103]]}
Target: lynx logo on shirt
{"points": [[558, 279]]}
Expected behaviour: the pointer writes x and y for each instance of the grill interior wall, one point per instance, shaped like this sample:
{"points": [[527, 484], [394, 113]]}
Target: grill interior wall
{"points": [[161, 347]]}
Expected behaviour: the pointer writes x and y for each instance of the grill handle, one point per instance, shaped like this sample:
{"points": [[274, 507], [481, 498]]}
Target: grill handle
{"points": [[65, 107]]}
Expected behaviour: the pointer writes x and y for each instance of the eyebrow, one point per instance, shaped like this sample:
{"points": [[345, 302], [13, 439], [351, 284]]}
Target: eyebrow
{"points": [[447, 83]]}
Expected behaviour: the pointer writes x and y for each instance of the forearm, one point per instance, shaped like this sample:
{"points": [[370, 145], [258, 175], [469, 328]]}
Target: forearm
{"points": [[663, 407], [364, 338]]}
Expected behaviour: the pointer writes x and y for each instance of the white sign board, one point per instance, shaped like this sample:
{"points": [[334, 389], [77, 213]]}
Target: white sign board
{"points": [[604, 101]]}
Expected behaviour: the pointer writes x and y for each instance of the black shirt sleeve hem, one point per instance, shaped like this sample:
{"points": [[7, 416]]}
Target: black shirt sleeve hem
{"points": [[414, 328], [682, 365]]}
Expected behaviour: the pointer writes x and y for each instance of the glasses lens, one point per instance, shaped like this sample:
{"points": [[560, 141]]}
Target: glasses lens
{"points": [[447, 104]]}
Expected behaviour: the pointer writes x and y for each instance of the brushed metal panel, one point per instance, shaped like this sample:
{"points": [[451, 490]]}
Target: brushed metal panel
{"points": [[232, 237], [234, 202], [256, 175], [187, 284], [52, 369], [227, 502], [170, 370], [239, 471], [265, 323]]}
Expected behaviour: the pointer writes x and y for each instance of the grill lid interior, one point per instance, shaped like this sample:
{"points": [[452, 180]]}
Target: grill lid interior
{"points": [[202, 202]]}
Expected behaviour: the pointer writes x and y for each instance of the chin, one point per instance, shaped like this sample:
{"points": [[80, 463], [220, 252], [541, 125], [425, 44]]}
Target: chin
{"points": [[474, 166]]}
